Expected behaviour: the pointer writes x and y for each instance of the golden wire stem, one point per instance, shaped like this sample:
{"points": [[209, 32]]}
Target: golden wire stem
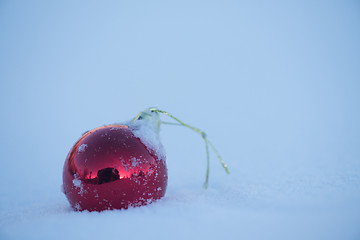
{"points": [[203, 135]]}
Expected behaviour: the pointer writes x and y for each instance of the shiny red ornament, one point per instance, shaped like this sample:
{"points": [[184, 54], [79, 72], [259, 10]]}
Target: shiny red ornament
{"points": [[110, 168]]}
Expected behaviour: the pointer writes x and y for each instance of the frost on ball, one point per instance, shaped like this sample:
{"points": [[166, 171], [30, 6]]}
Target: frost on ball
{"points": [[114, 167], [82, 148]]}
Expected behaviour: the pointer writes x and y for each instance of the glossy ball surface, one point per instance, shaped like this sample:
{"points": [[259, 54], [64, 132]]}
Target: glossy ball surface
{"points": [[110, 168]]}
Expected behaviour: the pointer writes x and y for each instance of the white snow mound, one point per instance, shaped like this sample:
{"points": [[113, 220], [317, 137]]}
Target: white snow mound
{"points": [[147, 130]]}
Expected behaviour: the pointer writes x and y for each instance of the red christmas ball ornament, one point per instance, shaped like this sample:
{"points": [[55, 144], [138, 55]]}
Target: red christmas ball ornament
{"points": [[120, 165], [112, 168]]}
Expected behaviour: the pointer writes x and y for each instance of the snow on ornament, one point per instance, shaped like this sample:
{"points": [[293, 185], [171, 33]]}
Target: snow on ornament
{"points": [[121, 165]]}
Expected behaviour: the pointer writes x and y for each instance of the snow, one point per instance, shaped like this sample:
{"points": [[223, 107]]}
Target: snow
{"points": [[78, 184], [275, 85], [82, 148], [147, 130]]}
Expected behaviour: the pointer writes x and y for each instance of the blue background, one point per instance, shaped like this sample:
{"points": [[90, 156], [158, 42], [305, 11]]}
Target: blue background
{"points": [[274, 84]]}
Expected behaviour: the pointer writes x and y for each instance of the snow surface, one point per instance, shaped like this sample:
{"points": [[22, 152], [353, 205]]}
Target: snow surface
{"points": [[274, 84]]}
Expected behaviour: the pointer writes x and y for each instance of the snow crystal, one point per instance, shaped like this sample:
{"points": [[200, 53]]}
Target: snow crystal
{"points": [[77, 207], [134, 162], [82, 148], [78, 184], [147, 130]]}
